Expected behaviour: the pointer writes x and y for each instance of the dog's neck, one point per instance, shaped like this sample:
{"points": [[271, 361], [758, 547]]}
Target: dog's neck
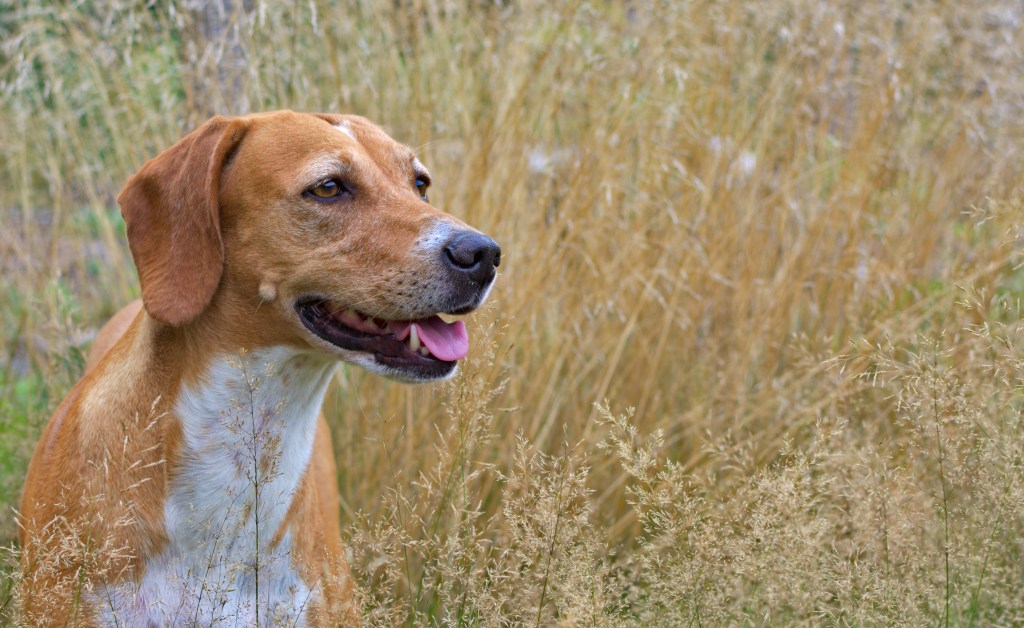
{"points": [[247, 425], [247, 412]]}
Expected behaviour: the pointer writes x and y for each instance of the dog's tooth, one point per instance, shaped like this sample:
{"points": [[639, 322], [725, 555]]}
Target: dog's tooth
{"points": [[372, 324], [414, 338], [449, 318], [424, 350], [349, 312]]}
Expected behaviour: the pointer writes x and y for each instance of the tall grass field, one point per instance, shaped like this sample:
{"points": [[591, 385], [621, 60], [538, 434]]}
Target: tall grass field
{"points": [[755, 354]]}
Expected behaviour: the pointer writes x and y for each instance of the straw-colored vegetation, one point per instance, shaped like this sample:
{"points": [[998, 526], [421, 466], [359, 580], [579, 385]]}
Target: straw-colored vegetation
{"points": [[782, 239]]}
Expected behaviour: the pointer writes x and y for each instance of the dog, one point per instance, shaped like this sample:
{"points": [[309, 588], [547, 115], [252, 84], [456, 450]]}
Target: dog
{"points": [[189, 477]]}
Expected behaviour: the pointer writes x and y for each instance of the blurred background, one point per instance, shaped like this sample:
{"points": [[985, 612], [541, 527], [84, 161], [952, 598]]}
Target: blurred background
{"points": [[782, 238]]}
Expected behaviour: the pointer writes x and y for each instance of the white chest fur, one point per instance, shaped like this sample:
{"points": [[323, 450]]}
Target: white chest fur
{"points": [[248, 430]]}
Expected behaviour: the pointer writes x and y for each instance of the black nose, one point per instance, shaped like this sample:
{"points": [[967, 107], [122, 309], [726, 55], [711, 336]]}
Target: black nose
{"points": [[473, 254]]}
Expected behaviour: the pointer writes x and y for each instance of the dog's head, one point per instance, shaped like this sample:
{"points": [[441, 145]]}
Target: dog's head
{"points": [[317, 227]]}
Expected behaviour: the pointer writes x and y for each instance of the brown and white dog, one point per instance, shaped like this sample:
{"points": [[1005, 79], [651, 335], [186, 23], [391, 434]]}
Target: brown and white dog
{"points": [[187, 478]]}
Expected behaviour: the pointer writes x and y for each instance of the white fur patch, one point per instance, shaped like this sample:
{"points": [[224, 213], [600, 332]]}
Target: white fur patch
{"points": [[433, 239], [248, 436], [346, 129]]}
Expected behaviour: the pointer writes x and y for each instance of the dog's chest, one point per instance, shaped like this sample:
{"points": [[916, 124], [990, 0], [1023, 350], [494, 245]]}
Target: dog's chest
{"points": [[248, 429]]}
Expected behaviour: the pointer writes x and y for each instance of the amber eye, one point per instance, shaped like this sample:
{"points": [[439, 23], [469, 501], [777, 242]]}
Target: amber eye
{"points": [[327, 190], [421, 187]]}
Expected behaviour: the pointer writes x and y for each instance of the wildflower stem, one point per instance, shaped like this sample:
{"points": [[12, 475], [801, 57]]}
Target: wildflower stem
{"points": [[942, 479], [551, 544]]}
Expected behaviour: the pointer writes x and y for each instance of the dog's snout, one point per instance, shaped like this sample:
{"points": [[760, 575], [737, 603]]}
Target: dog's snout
{"points": [[473, 254]]}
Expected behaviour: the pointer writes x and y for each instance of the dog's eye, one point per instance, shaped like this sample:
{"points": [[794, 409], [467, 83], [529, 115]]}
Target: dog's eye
{"points": [[327, 190], [421, 186]]}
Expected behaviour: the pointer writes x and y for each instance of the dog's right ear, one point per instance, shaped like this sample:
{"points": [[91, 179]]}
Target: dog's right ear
{"points": [[172, 214]]}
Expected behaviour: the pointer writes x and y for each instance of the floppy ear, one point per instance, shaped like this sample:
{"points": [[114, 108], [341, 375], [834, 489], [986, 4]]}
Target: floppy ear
{"points": [[172, 213]]}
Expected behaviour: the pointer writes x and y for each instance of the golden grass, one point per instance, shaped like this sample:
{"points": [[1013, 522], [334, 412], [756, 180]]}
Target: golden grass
{"points": [[786, 233]]}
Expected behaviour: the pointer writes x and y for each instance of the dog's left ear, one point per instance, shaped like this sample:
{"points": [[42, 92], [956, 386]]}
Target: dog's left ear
{"points": [[172, 213]]}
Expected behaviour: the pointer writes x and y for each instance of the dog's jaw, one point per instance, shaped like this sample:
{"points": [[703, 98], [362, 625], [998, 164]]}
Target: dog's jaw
{"points": [[425, 349]]}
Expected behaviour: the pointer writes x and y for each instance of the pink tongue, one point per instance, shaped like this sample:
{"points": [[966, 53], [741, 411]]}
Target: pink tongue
{"points": [[446, 341]]}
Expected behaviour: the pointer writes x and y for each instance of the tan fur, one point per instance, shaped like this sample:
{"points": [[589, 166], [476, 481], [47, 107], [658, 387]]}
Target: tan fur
{"points": [[224, 243], [112, 332]]}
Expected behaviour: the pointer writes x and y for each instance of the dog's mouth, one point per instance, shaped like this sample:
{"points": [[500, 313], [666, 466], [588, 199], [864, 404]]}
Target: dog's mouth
{"points": [[426, 348]]}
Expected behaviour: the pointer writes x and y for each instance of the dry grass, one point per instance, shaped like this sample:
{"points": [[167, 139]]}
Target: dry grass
{"points": [[786, 233]]}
